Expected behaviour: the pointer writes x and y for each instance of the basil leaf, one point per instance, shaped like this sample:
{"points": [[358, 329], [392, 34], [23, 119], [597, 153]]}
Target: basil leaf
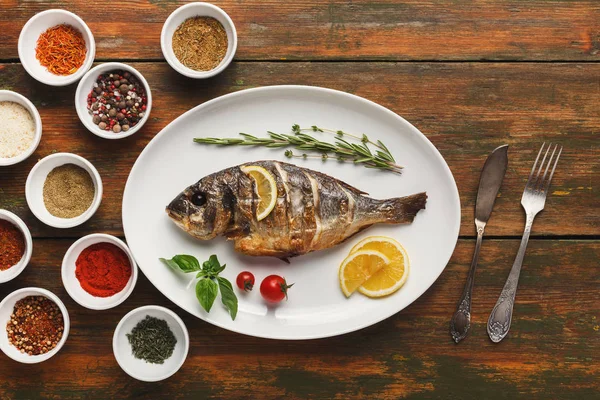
{"points": [[206, 293], [228, 297], [183, 262], [211, 265]]}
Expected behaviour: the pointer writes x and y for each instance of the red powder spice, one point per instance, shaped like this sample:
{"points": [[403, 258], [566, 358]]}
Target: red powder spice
{"points": [[12, 245], [103, 269]]}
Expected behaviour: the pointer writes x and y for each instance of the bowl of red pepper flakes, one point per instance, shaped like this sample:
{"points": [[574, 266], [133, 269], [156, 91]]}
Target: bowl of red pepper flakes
{"points": [[99, 272], [15, 246], [34, 325], [56, 47]]}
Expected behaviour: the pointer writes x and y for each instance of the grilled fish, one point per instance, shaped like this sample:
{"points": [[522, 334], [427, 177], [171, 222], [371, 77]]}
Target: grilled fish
{"points": [[314, 211]]}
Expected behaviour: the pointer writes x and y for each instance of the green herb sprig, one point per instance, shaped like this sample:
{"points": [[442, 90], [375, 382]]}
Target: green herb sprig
{"points": [[210, 283], [342, 150]]}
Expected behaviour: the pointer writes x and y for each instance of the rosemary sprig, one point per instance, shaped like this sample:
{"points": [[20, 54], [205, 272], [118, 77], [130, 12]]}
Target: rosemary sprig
{"points": [[341, 150]]}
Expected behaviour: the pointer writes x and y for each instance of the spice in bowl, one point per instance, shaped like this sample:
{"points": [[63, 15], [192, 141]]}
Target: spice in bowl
{"points": [[117, 101], [12, 245], [18, 129], [200, 43], [35, 326], [68, 191], [152, 340], [61, 49], [103, 269]]}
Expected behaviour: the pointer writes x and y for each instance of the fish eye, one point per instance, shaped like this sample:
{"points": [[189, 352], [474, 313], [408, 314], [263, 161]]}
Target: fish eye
{"points": [[198, 199]]}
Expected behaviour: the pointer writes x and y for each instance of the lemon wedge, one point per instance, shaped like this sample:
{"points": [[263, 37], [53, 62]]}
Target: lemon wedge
{"points": [[393, 275], [358, 267], [266, 189]]}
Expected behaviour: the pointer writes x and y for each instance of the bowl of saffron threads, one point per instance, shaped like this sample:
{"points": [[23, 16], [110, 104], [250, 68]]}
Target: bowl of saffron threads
{"points": [[151, 343], [99, 272], [56, 47]]}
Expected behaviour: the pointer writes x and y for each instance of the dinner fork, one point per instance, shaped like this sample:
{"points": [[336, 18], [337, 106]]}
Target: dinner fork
{"points": [[533, 201]]}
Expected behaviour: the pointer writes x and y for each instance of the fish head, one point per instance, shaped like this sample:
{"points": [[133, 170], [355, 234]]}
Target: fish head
{"points": [[201, 209]]}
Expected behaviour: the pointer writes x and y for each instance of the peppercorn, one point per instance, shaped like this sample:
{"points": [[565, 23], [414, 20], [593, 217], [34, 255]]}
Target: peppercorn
{"points": [[96, 119], [117, 128], [122, 105], [103, 118], [120, 116], [112, 112], [102, 125], [125, 128]]}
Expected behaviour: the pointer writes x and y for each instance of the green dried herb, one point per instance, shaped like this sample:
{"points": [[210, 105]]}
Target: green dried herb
{"points": [[152, 340]]}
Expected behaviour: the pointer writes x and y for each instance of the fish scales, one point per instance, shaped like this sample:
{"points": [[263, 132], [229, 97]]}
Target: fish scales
{"points": [[313, 211]]}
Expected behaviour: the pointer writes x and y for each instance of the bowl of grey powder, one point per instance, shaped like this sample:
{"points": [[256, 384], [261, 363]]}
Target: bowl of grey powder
{"points": [[20, 130], [63, 190]]}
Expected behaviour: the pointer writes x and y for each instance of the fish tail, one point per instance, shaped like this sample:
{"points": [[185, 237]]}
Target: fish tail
{"points": [[402, 210]]}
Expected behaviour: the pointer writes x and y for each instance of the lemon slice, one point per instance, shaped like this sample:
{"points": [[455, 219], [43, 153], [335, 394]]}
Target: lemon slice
{"points": [[266, 189], [390, 278], [358, 267]]}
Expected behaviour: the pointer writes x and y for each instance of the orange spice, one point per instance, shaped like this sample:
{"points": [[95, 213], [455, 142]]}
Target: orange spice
{"points": [[61, 49]]}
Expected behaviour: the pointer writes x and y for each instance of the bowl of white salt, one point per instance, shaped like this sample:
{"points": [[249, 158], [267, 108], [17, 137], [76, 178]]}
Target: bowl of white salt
{"points": [[21, 128]]}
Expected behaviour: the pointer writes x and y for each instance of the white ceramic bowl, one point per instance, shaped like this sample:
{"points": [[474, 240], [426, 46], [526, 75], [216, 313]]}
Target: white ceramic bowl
{"points": [[16, 269], [8, 95], [34, 189], [140, 369], [190, 10], [87, 84], [6, 308], [37, 25], [72, 284]]}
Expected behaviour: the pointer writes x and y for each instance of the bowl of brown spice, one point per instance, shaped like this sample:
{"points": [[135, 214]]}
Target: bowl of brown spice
{"points": [[15, 246], [63, 190], [34, 325], [198, 40]]}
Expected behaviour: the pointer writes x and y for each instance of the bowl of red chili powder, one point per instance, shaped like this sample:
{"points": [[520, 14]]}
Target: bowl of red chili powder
{"points": [[99, 272], [15, 246]]}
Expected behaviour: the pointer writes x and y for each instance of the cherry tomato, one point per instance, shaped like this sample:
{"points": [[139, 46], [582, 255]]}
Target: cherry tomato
{"points": [[245, 281], [274, 288]]}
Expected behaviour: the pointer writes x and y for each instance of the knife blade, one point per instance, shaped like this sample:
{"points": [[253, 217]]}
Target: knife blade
{"points": [[490, 181]]}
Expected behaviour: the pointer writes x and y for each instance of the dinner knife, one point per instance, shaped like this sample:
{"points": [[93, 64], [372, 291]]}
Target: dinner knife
{"points": [[490, 181]]}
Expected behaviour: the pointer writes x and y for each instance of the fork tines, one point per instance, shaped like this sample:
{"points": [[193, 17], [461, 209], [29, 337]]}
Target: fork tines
{"points": [[539, 184]]}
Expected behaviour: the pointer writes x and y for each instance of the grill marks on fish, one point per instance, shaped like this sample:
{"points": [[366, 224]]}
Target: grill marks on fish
{"points": [[313, 211]]}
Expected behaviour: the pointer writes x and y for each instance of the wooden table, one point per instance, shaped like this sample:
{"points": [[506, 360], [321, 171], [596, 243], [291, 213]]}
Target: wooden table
{"points": [[471, 75]]}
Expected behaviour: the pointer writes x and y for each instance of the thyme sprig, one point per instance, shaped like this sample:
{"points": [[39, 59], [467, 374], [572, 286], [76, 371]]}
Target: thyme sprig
{"points": [[342, 150]]}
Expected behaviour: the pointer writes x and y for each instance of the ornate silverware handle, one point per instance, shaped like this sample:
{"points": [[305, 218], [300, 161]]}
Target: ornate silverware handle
{"points": [[461, 320], [501, 316]]}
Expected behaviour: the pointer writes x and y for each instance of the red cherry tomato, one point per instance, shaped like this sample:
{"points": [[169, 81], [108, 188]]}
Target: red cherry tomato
{"points": [[245, 281], [274, 288]]}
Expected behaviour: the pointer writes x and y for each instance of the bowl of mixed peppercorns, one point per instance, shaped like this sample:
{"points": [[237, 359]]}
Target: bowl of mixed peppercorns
{"points": [[34, 325], [113, 100]]}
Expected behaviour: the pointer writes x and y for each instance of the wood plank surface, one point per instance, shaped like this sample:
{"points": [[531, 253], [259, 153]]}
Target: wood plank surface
{"points": [[367, 29], [551, 351], [465, 109]]}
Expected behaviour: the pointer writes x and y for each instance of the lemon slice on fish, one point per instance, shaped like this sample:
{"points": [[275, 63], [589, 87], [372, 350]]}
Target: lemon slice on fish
{"points": [[266, 189], [358, 267], [393, 276]]}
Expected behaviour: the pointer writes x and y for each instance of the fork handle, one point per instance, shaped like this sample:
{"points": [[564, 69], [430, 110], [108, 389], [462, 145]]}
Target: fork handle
{"points": [[501, 316]]}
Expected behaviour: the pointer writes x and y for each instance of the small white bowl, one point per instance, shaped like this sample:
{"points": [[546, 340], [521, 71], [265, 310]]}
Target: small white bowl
{"points": [[6, 309], [190, 10], [34, 189], [87, 84], [16, 269], [8, 95], [140, 369], [37, 25], [72, 284]]}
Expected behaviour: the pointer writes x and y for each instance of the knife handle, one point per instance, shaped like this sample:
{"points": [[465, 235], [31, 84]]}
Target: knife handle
{"points": [[461, 320]]}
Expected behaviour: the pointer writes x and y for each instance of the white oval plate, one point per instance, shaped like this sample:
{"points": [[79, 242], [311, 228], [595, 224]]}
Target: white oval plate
{"points": [[316, 307]]}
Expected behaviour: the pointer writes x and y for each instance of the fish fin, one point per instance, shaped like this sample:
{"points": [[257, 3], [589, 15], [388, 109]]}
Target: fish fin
{"points": [[402, 210]]}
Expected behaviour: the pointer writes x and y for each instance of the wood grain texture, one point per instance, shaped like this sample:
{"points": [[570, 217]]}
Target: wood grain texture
{"points": [[465, 109], [551, 350], [313, 29]]}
